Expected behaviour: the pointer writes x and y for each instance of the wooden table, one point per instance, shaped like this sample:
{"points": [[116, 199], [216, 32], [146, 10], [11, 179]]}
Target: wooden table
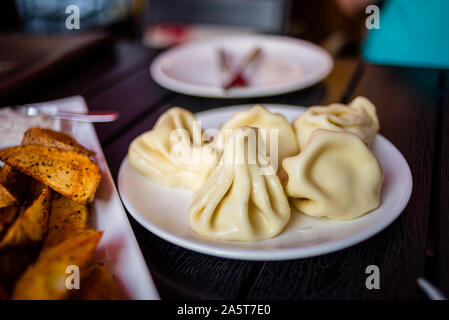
{"points": [[413, 107]]}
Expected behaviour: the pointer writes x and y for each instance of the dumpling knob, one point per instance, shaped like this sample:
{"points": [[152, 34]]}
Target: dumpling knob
{"points": [[358, 117]]}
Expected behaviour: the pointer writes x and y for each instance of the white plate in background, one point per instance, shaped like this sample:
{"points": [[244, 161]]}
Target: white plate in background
{"points": [[286, 65], [163, 210], [118, 248]]}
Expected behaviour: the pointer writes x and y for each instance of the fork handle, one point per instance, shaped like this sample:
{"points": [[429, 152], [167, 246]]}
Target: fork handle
{"points": [[90, 116]]}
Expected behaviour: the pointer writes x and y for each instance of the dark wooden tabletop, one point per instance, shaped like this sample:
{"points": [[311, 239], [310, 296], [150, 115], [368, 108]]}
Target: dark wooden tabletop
{"points": [[413, 107]]}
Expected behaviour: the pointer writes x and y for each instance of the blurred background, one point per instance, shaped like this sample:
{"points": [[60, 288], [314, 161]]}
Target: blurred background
{"points": [[35, 42], [162, 23]]}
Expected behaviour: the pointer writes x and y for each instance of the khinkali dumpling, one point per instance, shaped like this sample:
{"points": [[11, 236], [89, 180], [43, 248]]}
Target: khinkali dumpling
{"points": [[358, 117], [335, 176], [243, 199], [278, 133], [173, 153]]}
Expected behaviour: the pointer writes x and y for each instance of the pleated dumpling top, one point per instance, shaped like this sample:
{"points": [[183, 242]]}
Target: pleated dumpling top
{"points": [[279, 136], [358, 117], [243, 199], [173, 153]]}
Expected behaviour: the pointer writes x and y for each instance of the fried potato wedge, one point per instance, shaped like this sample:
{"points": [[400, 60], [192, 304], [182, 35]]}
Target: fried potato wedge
{"points": [[70, 173], [15, 182], [99, 284], [67, 218], [55, 139], [46, 278], [6, 198], [31, 225], [7, 216]]}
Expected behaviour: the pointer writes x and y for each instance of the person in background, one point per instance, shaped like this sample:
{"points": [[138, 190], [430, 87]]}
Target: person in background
{"points": [[411, 33]]}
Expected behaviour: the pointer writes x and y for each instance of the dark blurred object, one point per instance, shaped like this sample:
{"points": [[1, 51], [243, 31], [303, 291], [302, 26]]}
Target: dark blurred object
{"points": [[352, 8], [27, 61], [323, 22], [44, 16], [269, 16], [9, 19]]}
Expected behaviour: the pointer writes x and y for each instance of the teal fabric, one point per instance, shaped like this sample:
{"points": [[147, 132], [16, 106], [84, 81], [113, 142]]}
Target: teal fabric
{"points": [[412, 33]]}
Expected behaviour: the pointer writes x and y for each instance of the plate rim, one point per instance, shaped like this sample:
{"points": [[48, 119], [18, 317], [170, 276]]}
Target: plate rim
{"points": [[197, 91], [266, 254]]}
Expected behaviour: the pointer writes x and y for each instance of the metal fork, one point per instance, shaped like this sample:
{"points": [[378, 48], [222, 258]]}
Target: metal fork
{"points": [[90, 116]]}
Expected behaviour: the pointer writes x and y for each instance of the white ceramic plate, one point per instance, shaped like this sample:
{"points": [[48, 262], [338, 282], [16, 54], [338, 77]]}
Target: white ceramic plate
{"points": [[286, 65], [163, 210], [118, 248]]}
